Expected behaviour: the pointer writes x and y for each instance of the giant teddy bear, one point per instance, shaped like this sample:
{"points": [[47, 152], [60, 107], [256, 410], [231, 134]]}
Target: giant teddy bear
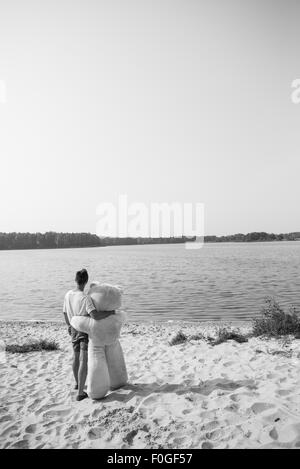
{"points": [[106, 364]]}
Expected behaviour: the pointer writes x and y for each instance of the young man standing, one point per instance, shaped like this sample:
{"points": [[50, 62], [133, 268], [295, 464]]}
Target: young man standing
{"points": [[77, 303]]}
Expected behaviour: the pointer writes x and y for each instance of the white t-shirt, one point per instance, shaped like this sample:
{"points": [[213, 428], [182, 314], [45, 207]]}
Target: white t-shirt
{"points": [[77, 303]]}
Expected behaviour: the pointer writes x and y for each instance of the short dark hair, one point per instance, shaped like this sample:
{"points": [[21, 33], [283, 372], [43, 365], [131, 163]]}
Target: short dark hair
{"points": [[81, 277]]}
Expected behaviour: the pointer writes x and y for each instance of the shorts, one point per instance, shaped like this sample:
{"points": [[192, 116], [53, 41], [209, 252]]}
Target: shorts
{"points": [[80, 340]]}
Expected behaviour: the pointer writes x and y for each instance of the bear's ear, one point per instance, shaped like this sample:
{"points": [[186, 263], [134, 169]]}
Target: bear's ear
{"points": [[121, 289]]}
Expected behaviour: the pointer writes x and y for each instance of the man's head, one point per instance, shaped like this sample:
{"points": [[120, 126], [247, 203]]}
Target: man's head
{"points": [[81, 278]]}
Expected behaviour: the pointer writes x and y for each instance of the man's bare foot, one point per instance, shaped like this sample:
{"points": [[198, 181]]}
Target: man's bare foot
{"points": [[80, 397]]}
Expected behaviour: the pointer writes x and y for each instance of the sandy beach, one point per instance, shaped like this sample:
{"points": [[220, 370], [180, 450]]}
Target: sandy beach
{"points": [[191, 395]]}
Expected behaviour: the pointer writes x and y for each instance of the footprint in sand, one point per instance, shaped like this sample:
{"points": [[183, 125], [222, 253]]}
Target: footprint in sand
{"points": [[289, 434], [31, 428], [130, 436], [6, 418], [94, 433], [34, 405], [215, 434], [50, 432], [148, 401], [40, 446], [178, 442], [21, 444], [259, 407], [210, 426], [207, 445], [235, 397], [57, 413], [274, 434]]}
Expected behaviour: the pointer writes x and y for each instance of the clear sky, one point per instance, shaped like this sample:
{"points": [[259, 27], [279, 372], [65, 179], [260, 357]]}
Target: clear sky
{"points": [[162, 100]]}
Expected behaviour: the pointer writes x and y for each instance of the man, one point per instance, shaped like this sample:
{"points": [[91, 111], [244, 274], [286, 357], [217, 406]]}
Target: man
{"points": [[77, 303]]}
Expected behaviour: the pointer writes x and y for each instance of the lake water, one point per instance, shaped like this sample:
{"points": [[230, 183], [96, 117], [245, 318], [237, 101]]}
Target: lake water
{"points": [[161, 282]]}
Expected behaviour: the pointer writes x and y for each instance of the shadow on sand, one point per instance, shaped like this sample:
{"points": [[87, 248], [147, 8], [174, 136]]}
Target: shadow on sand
{"points": [[126, 393]]}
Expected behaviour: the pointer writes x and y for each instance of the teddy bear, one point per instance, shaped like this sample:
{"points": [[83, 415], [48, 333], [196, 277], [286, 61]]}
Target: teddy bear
{"points": [[106, 364]]}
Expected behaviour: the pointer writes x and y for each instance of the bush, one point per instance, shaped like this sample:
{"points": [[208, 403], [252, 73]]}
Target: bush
{"points": [[179, 338], [223, 335], [274, 321], [198, 336], [35, 346]]}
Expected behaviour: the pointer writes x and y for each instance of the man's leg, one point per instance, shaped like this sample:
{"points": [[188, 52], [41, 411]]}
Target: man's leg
{"points": [[76, 365], [82, 372]]}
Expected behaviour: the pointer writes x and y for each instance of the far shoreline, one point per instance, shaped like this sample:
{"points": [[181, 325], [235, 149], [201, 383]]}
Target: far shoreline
{"points": [[65, 240], [218, 243]]}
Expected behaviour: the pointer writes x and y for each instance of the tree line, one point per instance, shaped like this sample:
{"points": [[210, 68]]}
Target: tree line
{"points": [[254, 236], [53, 240]]}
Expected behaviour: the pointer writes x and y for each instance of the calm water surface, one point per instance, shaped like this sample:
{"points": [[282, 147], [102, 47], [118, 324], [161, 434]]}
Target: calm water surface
{"points": [[161, 282]]}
